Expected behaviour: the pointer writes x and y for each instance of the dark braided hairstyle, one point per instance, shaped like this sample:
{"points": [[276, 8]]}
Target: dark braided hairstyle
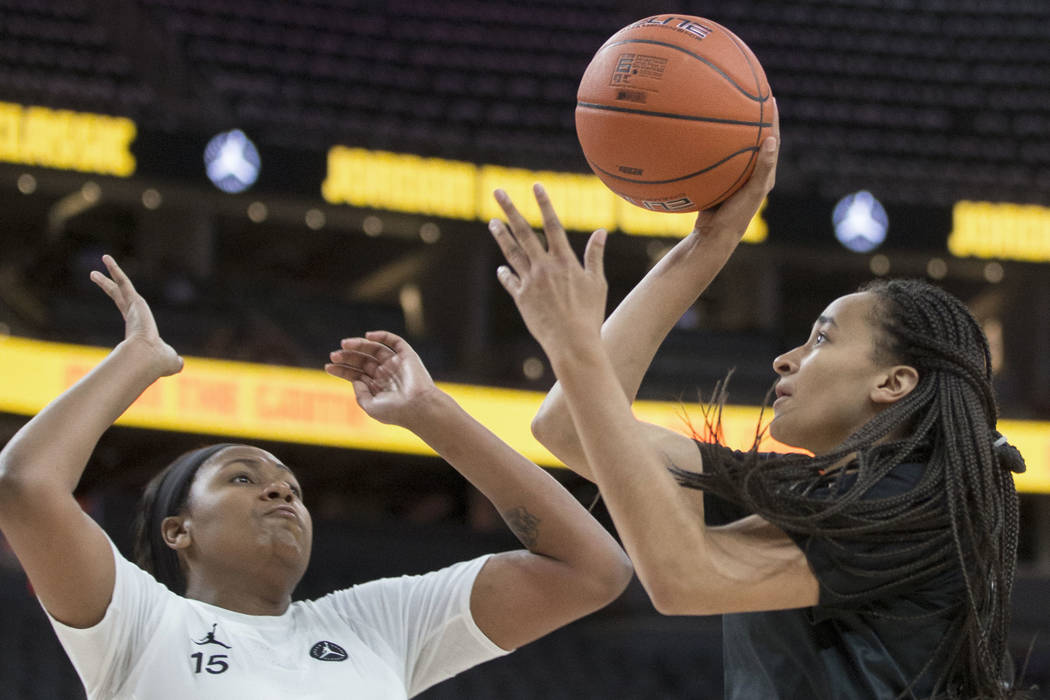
{"points": [[962, 514]]}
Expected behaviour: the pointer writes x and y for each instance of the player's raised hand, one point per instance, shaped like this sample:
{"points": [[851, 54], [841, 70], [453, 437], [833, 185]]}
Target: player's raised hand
{"points": [[731, 217], [561, 301], [139, 325], [387, 375]]}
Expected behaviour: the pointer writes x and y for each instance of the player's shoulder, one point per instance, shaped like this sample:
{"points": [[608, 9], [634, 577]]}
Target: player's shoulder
{"points": [[391, 589]]}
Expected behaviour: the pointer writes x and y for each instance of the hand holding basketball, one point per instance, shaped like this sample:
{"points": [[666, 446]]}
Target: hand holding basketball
{"points": [[732, 217], [561, 301]]}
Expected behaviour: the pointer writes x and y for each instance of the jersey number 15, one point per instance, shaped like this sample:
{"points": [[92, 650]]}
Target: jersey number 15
{"points": [[216, 663]]}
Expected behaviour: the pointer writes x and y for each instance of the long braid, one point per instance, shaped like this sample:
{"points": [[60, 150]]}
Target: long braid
{"points": [[963, 513]]}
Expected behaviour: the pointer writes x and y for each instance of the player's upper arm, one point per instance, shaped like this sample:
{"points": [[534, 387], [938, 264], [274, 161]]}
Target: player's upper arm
{"points": [[559, 436], [65, 554], [747, 565], [678, 449], [751, 565], [519, 596]]}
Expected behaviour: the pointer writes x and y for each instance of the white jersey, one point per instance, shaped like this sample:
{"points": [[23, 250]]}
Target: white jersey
{"points": [[390, 638]]}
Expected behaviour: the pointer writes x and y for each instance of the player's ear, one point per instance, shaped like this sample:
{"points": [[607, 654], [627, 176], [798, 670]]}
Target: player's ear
{"points": [[175, 532], [894, 384]]}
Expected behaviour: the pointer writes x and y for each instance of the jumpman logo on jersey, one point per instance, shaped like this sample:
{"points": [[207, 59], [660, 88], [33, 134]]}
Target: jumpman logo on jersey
{"points": [[210, 638], [328, 651]]}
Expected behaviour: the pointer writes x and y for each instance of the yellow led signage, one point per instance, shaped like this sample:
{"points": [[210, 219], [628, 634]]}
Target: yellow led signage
{"points": [[66, 140], [400, 182], [461, 190], [1000, 230], [242, 400]]}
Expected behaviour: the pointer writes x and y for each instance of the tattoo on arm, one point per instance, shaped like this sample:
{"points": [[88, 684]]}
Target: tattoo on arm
{"points": [[524, 525]]}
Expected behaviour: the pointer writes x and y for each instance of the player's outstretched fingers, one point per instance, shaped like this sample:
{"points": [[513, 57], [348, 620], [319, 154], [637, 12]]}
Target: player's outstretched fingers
{"points": [[363, 388], [359, 380], [765, 175], [594, 253], [121, 279], [519, 226], [360, 356], [347, 365], [556, 238], [513, 253], [386, 376], [510, 281], [367, 346], [390, 342], [116, 285], [108, 286]]}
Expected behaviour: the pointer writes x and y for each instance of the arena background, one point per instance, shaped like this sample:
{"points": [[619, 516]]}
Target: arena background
{"points": [[380, 129]]}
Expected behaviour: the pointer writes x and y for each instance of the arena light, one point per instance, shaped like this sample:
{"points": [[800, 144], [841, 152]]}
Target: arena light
{"points": [[232, 161], [860, 222]]}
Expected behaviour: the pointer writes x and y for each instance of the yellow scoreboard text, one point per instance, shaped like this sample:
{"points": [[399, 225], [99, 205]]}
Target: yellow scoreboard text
{"points": [[1000, 230], [66, 140], [462, 190]]}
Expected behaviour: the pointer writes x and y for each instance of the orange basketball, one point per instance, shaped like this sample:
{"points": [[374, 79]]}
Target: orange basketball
{"points": [[671, 112]]}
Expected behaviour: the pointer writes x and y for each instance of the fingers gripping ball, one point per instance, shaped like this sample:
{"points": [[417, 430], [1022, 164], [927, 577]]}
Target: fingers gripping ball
{"points": [[671, 111]]}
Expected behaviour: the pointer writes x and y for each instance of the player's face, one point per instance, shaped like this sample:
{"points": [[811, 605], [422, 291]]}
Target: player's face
{"points": [[245, 514], [826, 385]]}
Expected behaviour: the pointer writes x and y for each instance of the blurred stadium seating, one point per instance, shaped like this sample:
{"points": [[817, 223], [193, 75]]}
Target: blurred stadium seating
{"points": [[930, 100]]}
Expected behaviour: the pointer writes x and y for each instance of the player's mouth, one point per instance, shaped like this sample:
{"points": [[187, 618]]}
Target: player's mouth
{"points": [[284, 512]]}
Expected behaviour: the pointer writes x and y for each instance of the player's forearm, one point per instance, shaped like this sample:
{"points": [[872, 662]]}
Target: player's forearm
{"points": [[542, 514], [636, 329], [661, 529], [52, 449]]}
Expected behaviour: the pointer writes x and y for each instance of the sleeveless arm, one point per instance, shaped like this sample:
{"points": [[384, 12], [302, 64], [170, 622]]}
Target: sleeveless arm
{"points": [[635, 330]]}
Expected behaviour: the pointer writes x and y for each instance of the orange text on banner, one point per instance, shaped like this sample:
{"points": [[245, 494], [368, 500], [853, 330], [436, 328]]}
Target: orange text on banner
{"points": [[243, 400]]}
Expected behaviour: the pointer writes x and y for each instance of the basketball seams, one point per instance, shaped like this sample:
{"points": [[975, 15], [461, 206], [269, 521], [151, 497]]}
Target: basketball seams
{"points": [[745, 173], [751, 59], [670, 115], [748, 56], [759, 98], [682, 177]]}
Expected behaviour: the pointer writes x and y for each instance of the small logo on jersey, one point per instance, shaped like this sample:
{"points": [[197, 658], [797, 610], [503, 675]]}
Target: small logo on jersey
{"points": [[328, 651], [210, 639]]}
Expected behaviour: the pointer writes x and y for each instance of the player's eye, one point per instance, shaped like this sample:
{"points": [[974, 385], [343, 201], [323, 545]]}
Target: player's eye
{"points": [[242, 479]]}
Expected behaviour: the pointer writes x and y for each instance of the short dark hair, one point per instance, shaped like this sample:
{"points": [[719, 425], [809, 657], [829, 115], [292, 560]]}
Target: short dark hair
{"points": [[166, 495]]}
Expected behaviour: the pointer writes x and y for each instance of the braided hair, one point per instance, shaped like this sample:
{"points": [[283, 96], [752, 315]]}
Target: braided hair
{"points": [[961, 516]]}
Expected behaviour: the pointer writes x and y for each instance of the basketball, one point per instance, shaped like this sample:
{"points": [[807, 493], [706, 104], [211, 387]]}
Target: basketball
{"points": [[671, 111]]}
